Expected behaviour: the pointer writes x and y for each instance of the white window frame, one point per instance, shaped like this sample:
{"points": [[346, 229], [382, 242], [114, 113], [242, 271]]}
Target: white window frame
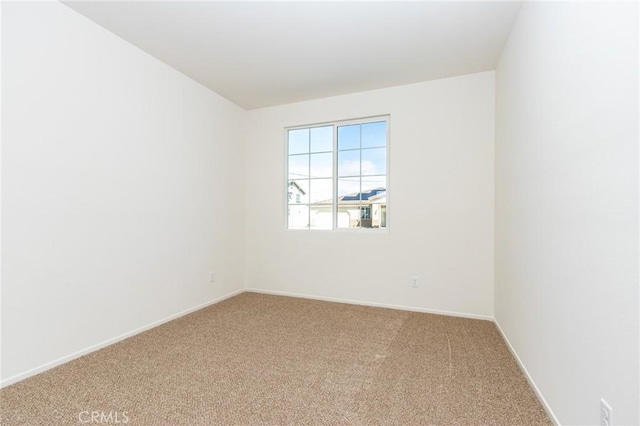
{"points": [[334, 177]]}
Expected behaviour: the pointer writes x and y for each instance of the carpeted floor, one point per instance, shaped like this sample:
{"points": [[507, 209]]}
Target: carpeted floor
{"points": [[259, 359]]}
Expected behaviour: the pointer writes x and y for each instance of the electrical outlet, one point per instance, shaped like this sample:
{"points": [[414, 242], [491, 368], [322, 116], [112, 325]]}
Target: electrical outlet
{"points": [[414, 282], [212, 277], [605, 413]]}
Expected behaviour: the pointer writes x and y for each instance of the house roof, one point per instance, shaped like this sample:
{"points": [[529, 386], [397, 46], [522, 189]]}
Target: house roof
{"points": [[297, 187], [363, 195], [357, 198]]}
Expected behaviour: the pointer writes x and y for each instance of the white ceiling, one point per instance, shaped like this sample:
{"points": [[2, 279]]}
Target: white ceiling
{"points": [[259, 54]]}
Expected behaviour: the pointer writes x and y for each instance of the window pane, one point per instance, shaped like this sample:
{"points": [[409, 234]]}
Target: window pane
{"points": [[298, 191], [321, 197], [348, 217], [349, 202], [374, 161], [374, 182], [374, 134], [298, 166], [321, 217], [374, 194], [321, 165], [322, 139], [349, 163], [299, 141], [348, 187], [298, 216], [321, 192], [349, 137]]}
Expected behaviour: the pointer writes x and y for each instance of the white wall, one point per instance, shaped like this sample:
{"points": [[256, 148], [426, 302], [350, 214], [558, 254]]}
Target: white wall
{"points": [[122, 186], [441, 202], [124, 183], [567, 205]]}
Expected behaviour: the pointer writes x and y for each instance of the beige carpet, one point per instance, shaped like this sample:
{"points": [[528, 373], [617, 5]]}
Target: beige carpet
{"points": [[259, 359]]}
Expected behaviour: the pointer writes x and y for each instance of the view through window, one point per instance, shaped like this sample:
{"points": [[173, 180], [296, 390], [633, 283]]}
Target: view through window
{"points": [[337, 175]]}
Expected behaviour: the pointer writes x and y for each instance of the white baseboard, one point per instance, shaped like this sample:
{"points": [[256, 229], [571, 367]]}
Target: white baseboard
{"points": [[532, 383], [373, 304], [67, 358]]}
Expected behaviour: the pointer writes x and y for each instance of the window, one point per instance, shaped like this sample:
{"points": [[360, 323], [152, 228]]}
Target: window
{"points": [[337, 175], [365, 212]]}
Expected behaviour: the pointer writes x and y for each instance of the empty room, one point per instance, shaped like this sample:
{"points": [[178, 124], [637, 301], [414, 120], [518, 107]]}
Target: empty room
{"points": [[320, 213]]}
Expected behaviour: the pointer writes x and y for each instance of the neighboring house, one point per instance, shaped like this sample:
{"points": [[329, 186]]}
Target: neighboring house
{"points": [[298, 212], [295, 193], [362, 209]]}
